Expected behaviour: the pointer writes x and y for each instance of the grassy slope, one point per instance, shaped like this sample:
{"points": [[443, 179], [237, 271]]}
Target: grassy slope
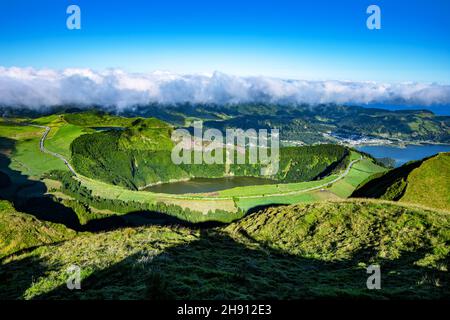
{"points": [[343, 188], [303, 251], [336, 230], [62, 137], [429, 184], [26, 156], [97, 119], [20, 231], [360, 171], [28, 159], [424, 182]]}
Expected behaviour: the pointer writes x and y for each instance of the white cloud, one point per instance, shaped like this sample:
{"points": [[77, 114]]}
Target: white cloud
{"points": [[31, 88]]}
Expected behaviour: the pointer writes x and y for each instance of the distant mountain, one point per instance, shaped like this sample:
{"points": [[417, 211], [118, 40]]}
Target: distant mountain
{"points": [[424, 182], [441, 110], [301, 122]]}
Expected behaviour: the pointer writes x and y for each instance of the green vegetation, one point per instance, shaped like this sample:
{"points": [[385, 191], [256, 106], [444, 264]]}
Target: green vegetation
{"points": [[305, 251], [141, 155], [138, 154], [20, 231], [85, 199], [24, 153], [60, 141], [95, 118], [308, 124], [360, 171], [429, 184], [425, 182], [317, 249]]}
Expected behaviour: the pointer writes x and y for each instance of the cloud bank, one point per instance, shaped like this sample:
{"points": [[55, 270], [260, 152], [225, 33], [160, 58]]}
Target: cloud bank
{"points": [[34, 89]]}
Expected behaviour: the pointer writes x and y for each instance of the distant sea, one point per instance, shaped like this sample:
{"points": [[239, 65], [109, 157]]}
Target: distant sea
{"points": [[403, 155]]}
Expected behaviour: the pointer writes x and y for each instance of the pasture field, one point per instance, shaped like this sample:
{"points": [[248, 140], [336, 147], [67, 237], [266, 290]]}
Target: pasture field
{"points": [[359, 172], [60, 138], [22, 145]]}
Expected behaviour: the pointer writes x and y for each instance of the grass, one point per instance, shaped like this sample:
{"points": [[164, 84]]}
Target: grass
{"points": [[359, 172], [97, 119], [60, 141], [20, 231], [249, 203], [273, 188], [424, 182], [244, 197], [306, 251], [26, 156], [16, 132], [343, 188], [429, 184], [336, 230]]}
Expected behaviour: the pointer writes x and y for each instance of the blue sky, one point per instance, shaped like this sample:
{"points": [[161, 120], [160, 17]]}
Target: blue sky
{"points": [[314, 40]]}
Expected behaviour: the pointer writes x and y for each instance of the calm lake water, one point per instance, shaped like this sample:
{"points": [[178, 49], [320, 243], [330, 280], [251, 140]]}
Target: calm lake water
{"points": [[202, 185], [403, 155]]}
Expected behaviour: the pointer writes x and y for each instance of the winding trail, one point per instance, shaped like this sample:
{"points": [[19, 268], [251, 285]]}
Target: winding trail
{"points": [[44, 150]]}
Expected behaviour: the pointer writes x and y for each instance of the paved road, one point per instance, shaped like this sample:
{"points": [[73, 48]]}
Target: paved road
{"points": [[43, 149]]}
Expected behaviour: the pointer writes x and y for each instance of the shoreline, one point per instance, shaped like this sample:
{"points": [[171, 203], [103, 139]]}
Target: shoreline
{"points": [[399, 145]]}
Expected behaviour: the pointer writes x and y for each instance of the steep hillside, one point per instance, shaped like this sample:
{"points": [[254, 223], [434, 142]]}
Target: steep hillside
{"points": [[302, 251], [20, 231], [425, 182], [339, 230], [430, 183]]}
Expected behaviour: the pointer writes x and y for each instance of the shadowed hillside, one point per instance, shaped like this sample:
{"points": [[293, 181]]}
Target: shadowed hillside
{"points": [[21, 231], [302, 251]]}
